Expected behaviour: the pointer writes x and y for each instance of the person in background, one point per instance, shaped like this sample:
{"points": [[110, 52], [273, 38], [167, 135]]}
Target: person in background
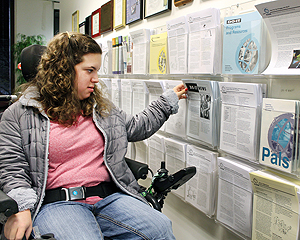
{"points": [[62, 149]]}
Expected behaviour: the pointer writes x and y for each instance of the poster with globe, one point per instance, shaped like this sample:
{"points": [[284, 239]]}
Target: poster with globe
{"points": [[244, 44], [279, 134]]}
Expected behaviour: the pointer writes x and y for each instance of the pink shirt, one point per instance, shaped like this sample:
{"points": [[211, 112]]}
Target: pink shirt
{"points": [[76, 156]]}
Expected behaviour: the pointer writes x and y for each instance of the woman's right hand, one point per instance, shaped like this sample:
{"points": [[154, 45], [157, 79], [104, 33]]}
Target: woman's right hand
{"points": [[18, 225]]}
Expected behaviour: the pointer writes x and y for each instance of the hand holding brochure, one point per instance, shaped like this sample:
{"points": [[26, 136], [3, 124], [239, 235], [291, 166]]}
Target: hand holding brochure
{"points": [[203, 116]]}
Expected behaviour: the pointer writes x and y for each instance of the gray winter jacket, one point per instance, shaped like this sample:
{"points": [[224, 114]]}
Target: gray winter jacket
{"points": [[24, 142]]}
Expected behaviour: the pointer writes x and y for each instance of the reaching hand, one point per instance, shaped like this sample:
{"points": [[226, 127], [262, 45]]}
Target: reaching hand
{"points": [[18, 225], [180, 90]]}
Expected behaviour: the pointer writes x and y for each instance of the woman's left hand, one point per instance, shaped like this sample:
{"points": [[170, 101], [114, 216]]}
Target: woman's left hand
{"points": [[181, 91]]}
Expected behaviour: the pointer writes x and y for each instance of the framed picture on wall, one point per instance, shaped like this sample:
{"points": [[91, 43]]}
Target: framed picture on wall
{"points": [[107, 17], [96, 22], [82, 27], [119, 13], [178, 3], [154, 7], [88, 25], [134, 11], [75, 21]]}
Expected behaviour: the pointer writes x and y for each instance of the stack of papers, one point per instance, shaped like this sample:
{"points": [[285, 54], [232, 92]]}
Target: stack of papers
{"points": [[234, 207], [275, 206], [105, 87], [140, 96], [200, 191], [141, 48], [204, 42], [240, 118], [141, 151], [282, 19], [116, 91], [126, 95], [178, 45], [175, 151], [156, 150]]}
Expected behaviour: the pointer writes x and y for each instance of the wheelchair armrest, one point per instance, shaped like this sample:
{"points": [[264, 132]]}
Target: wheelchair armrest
{"points": [[8, 206], [139, 170]]}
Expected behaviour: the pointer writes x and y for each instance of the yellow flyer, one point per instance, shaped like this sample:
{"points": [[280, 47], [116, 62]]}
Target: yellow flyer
{"points": [[275, 206], [158, 53]]}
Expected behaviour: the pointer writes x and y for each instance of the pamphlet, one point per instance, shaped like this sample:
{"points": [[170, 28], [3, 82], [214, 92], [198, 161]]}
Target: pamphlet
{"points": [[275, 206], [279, 134], [178, 45], [282, 20], [159, 53], [244, 44]]}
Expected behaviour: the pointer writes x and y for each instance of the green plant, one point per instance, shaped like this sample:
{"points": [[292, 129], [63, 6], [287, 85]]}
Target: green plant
{"points": [[23, 41]]}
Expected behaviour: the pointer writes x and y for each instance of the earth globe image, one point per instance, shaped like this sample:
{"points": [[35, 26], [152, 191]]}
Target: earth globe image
{"points": [[247, 55], [281, 135]]}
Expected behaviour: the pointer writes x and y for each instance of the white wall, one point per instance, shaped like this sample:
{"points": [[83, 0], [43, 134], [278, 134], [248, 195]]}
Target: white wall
{"points": [[188, 222], [34, 17]]}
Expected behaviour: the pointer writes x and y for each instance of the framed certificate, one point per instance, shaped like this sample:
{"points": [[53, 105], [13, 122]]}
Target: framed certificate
{"points": [[75, 21], [96, 22], [154, 7], [107, 17], [134, 11], [119, 13]]}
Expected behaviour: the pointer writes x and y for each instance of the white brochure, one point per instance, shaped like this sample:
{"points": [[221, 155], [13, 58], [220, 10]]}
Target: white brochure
{"points": [[126, 95], [176, 159], [234, 207], [141, 48], [116, 91], [178, 45], [200, 191], [204, 41], [176, 124], [240, 118], [282, 19], [156, 150], [140, 96], [105, 87], [155, 89], [141, 151]]}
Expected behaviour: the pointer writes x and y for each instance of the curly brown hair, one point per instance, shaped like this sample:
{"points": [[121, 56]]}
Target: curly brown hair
{"points": [[56, 75]]}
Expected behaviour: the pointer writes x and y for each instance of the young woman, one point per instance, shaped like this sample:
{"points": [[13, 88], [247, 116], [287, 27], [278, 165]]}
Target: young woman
{"points": [[62, 148]]}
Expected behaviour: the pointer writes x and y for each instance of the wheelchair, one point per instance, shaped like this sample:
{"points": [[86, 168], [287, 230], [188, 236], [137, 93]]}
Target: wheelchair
{"points": [[162, 182]]}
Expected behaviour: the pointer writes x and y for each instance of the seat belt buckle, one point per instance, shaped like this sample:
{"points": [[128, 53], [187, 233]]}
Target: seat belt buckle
{"points": [[74, 193]]}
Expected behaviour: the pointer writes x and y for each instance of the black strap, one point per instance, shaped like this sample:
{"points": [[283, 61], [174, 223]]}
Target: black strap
{"points": [[102, 190]]}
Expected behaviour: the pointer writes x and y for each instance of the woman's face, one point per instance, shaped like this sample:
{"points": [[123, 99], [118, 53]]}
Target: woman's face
{"points": [[86, 74]]}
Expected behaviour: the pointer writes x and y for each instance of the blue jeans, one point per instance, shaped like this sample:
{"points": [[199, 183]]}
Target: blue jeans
{"points": [[117, 216]]}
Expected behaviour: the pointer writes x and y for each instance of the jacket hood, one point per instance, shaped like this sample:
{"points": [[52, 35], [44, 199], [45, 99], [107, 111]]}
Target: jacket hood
{"points": [[28, 98]]}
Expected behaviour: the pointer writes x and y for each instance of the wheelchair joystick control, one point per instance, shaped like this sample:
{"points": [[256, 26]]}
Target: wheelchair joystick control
{"points": [[163, 183]]}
